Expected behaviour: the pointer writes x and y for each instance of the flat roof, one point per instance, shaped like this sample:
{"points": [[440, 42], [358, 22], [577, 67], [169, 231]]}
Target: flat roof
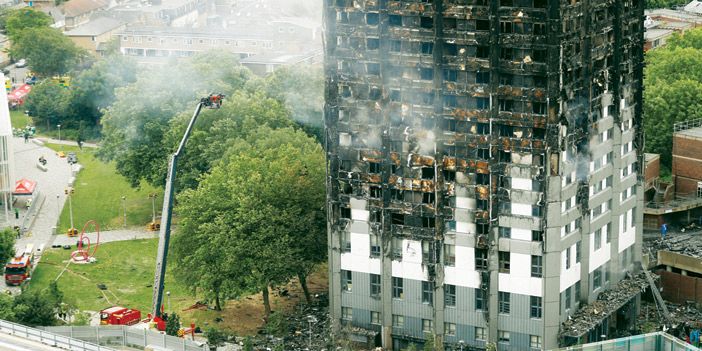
{"points": [[650, 157], [657, 33], [692, 132]]}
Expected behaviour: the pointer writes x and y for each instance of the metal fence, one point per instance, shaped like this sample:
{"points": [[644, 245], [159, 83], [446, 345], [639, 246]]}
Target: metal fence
{"points": [[646, 342], [685, 125], [120, 335], [32, 211], [49, 338]]}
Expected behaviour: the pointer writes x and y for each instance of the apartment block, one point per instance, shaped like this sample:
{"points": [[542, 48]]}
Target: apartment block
{"points": [[484, 167]]}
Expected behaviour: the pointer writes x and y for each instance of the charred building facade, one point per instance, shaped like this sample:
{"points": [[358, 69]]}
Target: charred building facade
{"points": [[484, 165]]}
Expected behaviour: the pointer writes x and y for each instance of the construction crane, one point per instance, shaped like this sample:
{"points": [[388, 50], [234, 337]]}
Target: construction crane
{"points": [[212, 101]]}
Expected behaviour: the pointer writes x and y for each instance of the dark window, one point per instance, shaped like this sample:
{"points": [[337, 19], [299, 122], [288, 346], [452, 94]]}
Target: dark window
{"points": [[481, 259], [535, 307], [539, 56], [503, 258], [396, 248], [537, 235], [374, 246], [482, 179], [506, 78], [373, 68], [506, 27], [449, 23], [428, 222], [482, 25], [567, 298], [449, 255], [481, 300], [427, 98], [375, 192], [428, 198], [345, 212], [537, 266], [540, 4], [506, 2], [375, 285], [398, 218], [450, 75], [449, 125], [482, 104], [372, 18], [539, 108], [577, 252], [427, 292], [397, 288], [374, 167], [539, 29], [427, 48], [449, 100], [482, 52], [426, 22], [346, 281], [450, 49], [482, 78], [505, 130], [539, 81], [504, 232], [395, 95], [372, 43], [395, 46], [426, 73], [449, 295], [395, 20], [506, 106], [596, 278], [396, 194], [506, 53], [483, 154], [504, 302]]}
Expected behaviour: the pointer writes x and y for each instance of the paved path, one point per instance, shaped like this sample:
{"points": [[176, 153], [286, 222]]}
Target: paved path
{"points": [[51, 184]]}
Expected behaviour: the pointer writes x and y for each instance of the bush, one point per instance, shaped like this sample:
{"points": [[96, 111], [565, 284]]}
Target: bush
{"points": [[172, 324], [214, 336], [277, 325]]}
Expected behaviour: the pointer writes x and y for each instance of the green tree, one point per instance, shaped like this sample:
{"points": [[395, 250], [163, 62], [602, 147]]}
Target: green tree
{"points": [[47, 50], [243, 214], [46, 103], [17, 21], [172, 324], [673, 91], [8, 238], [136, 124], [7, 308], [35, 308], [430, 344], [277, 325], [81, 319]]}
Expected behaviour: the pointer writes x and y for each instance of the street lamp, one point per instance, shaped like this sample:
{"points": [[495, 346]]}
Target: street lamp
{"points": [[26, 114], [461, 343], [69, 192], [124, 202], [59, 128], [168, 293], [58, 209], [153, 206], [310, 320]]}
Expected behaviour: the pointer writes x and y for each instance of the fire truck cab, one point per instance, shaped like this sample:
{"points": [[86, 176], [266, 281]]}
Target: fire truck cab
{"points": [[20, 268], [119, 316]]}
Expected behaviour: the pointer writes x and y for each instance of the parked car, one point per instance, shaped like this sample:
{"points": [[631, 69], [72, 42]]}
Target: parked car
{"points": [[21, 63], [72, 157]]}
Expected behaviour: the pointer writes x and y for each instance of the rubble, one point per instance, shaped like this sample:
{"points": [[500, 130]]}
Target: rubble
{"points": [[589, 316], [684, 244]]}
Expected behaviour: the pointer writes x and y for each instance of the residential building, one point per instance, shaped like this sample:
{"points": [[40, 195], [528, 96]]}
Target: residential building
{"points": [[94, 35], [4, 46], [57, 15], [484, 168], [156, 13], [78, 12], [264, 64]]}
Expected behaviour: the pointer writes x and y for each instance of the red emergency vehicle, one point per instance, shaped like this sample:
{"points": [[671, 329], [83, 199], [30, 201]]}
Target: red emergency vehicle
{"points": [[119, 316], [20, 268]]}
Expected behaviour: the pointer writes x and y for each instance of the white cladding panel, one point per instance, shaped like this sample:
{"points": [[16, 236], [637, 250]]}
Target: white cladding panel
{"points": [[599, 257], [363, 264], [521, 183], [521, 209], [572, 275], [360, 215], [519, 280], [627, 239], [465, 202], [521, 234], [465, 227]]}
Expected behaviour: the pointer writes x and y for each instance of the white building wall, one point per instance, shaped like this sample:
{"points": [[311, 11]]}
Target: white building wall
{"points": [[519, 280]]}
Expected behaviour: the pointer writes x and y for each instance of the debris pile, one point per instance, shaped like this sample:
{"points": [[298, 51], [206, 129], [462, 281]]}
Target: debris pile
{"points": [[685, 318], [589, 316], [684, 244]]}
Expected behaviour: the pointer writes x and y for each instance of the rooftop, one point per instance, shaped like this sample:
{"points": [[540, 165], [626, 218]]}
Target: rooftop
{"points": [[659, 341], [657, 33], [214, 33], [276, 59], [688, 245], [694, 6], [692, 132], [685, 16], [95, 27], [152, 7], [650, 157], [74, 8]]}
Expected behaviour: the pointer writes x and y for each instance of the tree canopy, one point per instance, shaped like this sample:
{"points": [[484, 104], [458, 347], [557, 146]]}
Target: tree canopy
{"points": [[48, 51], [16, 21], [8, 237], [254, 216], [673, 93]]}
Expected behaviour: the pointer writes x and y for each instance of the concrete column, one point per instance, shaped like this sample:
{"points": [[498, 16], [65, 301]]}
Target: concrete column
{"points": [[669, 268], [684, 272]]}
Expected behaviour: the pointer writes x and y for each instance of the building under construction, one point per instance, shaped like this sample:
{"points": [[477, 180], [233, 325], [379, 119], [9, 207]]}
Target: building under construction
{"points": [[484, 165]]}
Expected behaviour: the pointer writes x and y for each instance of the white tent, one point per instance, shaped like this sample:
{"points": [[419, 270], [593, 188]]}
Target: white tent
{"points": [[7, 168]]}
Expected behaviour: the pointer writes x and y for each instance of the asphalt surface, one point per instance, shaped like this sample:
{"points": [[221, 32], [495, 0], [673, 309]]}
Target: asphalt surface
{"points": [[14, 343]]}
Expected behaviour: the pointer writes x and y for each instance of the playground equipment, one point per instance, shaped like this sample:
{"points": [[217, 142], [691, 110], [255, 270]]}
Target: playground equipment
{"points": [[81, 255]]}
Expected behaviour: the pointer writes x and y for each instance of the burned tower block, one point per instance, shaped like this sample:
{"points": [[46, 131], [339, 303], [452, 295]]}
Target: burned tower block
{"points": [[484, 166]]}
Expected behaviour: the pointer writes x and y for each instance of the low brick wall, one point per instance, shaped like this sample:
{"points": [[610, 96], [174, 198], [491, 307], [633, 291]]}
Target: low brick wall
{"points": [[679, 288]]}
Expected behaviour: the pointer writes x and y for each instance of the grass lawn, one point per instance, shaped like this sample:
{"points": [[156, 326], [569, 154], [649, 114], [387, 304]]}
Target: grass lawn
{"points": [[126, 268], [18, 119], [98, 196]]}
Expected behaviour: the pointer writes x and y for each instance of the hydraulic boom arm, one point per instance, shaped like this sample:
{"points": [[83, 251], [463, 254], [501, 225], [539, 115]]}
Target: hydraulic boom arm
{"points": [[212, 101]]}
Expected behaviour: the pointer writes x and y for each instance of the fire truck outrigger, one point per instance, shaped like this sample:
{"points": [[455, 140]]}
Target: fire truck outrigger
{"points": [[20, 268]]}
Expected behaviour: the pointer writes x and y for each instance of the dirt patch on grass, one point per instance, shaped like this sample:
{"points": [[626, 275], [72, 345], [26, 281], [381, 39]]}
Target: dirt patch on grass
{"points": [[244, 315]]}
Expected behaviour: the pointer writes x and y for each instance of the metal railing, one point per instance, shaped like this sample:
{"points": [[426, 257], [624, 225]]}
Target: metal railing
{"points": [[679, 200], [685, 125], [30, 215], [49, 338], [120, 335], [659, 341]]}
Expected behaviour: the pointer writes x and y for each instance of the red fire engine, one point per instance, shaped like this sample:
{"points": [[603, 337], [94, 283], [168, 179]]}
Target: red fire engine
{"points": [[20, 268], [119, 316]]}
